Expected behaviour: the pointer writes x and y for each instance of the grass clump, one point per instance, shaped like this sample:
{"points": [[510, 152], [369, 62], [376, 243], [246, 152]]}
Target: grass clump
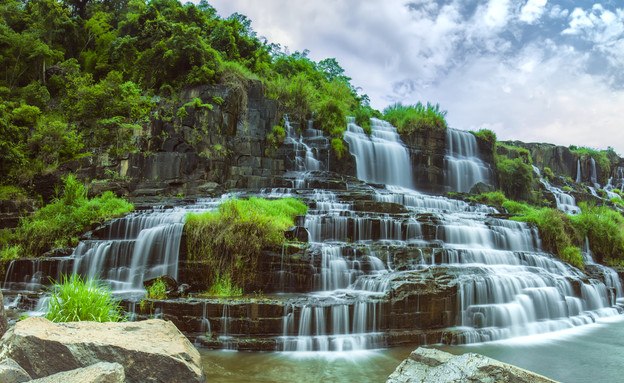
{"points": [[59, 223], [158, 289], [223, 287], [605, 230], [231, 238], [487, 136], [74, 299], [409, 119], [515, 177], [495, 198]]}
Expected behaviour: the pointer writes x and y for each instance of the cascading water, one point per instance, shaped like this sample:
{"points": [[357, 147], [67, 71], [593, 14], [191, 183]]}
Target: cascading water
{"points": [[565, 202], [381, 158], [578, 171], [463, 167]]}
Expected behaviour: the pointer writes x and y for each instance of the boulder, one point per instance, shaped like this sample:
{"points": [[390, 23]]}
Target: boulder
{"points": [[4, 324], [431, 365], [150, 351], [11, 372], [101, 372]]}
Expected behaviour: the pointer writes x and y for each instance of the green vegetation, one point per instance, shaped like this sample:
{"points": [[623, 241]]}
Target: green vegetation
{"points": [[75, 299], [223, 287], [515, 177], [158, 289], [487, 136], [413, 118], [59, 223], [496, 198], [231, 238], [276, 137], [84, 77], [602, 158], [548, 174], [605, 230]]}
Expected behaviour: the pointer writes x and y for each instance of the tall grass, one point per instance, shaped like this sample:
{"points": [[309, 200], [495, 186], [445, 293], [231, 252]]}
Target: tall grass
{"points": [[231, 238], [409, 119], [59, 223], [74, 299], [605, 230]]}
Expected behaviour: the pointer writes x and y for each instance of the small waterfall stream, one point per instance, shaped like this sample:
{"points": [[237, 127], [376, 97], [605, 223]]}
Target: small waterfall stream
{"points": [[463, 166]]}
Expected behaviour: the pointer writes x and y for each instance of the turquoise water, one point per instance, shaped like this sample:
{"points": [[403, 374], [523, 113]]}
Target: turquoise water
{"points": [[593, 353]]}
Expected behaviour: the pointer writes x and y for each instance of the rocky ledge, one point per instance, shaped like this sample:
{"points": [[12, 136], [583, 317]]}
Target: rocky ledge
{"points": [[428, 365], [148, 351]]}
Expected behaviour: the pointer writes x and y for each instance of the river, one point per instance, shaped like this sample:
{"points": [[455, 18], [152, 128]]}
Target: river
{"points": [[592, 353]]}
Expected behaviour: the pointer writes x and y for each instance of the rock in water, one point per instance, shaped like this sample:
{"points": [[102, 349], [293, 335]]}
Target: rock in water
{"points": [[428, 365], [150, 351], [102, 372]]}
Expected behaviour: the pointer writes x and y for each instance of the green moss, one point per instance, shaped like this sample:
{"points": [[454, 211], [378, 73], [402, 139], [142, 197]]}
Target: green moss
{"points": [[548, 174], [231, 238], [487, 136]]}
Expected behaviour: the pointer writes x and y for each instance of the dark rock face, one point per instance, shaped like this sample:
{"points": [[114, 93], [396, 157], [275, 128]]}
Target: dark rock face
{"points": [[11, 372], [427, 150]]}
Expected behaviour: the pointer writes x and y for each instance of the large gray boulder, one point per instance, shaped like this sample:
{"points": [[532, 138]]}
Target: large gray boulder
{"points": [[101, 372], [428, 365], [150, 351]]}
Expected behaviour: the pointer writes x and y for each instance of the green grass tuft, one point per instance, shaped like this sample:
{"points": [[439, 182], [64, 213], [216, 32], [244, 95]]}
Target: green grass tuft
{"points": [[74, 299], [413, 118]]}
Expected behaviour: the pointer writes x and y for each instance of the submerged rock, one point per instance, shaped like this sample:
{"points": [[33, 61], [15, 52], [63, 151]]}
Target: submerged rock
{"points": [[150, 351], [432, 365]]}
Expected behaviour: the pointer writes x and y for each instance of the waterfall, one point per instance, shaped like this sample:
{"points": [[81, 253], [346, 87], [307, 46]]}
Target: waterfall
{"points": [[578, 171], [381, 158], [593, 178], [463, 167]]}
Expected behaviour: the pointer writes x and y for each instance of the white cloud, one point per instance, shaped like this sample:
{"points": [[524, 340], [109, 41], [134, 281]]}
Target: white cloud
{"points": [[532, 11]]}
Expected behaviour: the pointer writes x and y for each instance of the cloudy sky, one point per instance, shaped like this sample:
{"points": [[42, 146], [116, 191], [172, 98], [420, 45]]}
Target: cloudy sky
{"points": [[536, 70]]}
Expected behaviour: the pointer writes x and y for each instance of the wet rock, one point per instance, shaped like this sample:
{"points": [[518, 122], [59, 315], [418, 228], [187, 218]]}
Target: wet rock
{"points": [[4, 325], [11, 372], [297, 233], [101, 372], [435, 366], [480, 188], [152, 350]]}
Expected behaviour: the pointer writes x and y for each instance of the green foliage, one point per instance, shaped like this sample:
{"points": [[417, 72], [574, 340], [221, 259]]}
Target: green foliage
{"points": [[605, 230], [59, 223], [74, 299], [548, 174], [515, 177], [557, 231], [339, 148], [276, 137], [413, 118], [567, 189], [496, 198], [158, 289], [573, 256], [223, 287], [230, 239], [514, 152], [363, 116]]}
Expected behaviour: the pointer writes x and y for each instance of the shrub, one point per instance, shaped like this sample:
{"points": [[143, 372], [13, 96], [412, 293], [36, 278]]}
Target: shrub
{"points": [[75, 299], [567, 189], [231, 238], [276, 137], [413, 118], [549, 174], [158, 289], [573, 256], [223, 287]]}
